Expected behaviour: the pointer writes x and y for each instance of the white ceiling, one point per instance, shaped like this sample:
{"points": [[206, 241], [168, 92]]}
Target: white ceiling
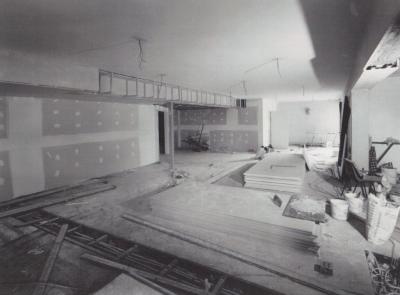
{"points": [[204, 44]]}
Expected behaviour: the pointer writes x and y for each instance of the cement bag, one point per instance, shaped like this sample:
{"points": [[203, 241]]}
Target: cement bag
{"points": [[356, 203], [381, 219], [391, 175]]}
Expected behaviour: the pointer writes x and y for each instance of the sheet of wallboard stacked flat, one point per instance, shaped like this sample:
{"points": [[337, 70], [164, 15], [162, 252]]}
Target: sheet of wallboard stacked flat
{"points": [[278, 172], [321, 159]]}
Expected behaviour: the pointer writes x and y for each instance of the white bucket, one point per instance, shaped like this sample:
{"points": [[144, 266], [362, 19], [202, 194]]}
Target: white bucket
{"points": [[355, 204], [391, 175], [339, 209]]}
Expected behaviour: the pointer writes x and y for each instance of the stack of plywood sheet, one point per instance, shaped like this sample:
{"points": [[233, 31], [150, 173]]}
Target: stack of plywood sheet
{"points": [[321, 159], [278, 172], [248, 229]]}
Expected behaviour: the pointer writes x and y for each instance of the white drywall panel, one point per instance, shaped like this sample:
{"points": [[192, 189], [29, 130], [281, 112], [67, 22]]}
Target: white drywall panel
{"points": [[77, 154], [148, 134], [37, 70], [280, 129], [312, 121]]}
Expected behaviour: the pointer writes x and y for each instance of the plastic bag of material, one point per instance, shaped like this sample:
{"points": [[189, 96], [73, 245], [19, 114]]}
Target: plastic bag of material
{"points": [[381, 219]]}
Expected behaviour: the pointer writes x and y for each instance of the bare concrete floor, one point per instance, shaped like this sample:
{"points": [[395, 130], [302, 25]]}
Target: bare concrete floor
{"points": [[144, 190]]}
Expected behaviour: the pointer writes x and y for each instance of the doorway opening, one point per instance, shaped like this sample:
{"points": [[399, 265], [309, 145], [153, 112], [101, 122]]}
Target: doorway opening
{"points": [[161, 132]]}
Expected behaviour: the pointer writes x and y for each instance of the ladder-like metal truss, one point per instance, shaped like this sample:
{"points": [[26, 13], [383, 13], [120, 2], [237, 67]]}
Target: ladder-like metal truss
{"points": [[130, 87]]}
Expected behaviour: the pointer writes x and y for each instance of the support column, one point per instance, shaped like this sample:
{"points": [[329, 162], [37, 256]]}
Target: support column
{"points": [[360, 127], [171, 136], [178, 128], [264, 123]]}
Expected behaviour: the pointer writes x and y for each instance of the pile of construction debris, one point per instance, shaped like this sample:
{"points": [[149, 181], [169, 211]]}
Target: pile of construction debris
{"points": [[385, 273]]}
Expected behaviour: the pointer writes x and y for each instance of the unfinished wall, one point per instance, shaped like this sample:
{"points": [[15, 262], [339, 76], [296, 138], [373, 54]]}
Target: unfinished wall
{"points": [[39, 70], [226, 130], [48, 143], [280, 129], [308, 122], [375, 113]]}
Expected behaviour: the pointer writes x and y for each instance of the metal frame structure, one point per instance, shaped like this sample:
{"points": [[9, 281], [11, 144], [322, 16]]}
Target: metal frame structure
{"points": [[132, 88], [389, 146]]}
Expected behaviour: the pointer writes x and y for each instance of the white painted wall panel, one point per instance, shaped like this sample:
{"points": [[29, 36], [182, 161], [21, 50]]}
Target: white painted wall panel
{"points": [[280, 129], [321, 124]]}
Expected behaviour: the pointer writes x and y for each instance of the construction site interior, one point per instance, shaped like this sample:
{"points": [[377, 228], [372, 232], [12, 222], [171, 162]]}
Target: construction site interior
{"points": [[224, 147]]}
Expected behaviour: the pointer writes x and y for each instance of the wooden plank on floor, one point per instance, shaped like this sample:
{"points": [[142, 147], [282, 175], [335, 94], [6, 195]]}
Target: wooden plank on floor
{"points": [[259, 263], [169, 267], [51, 259], [99, 239], [143, 276], [51, 202], [30, 197], [271, 235], [219, 285]]}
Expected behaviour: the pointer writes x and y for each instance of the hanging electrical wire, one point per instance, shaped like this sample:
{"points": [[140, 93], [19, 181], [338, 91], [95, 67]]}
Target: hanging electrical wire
{"points": [[259, 66], [278, 67], [244, 87], [278, 70], [233, 85], [277, 62], [140, 57], [112, 45]]}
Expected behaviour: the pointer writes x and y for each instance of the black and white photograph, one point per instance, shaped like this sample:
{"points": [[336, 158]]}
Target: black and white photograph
{"points": [[199, 147]]}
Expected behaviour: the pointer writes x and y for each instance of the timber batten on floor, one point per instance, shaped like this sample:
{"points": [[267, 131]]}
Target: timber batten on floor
{"points": [[178, 275]]}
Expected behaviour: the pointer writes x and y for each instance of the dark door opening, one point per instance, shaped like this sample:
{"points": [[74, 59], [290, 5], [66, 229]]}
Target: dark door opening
{"points": [[161, 132]]}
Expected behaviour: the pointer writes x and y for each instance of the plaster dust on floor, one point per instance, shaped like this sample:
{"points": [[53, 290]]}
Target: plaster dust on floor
{"points": [[142, 189], [147, 190], [257, 205], [307, 204]]}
